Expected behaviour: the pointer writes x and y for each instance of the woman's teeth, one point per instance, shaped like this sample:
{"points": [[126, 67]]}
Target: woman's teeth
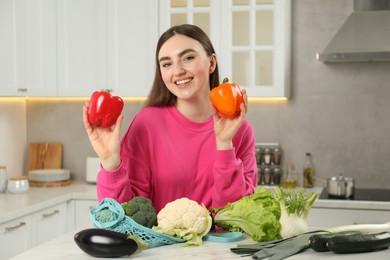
{"points": [[181, 82]]}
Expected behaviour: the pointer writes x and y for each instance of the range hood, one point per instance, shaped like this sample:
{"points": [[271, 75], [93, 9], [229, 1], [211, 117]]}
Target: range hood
{"points": [[364, 36]]}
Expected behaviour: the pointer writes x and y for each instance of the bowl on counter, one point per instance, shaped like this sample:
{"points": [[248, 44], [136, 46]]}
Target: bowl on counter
{"points": [[18, 184]]}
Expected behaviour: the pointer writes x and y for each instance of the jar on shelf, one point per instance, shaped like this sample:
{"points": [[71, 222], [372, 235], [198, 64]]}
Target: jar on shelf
{"points": [[277, 174], [258, 155], [267, 156], [277, 156], [267, 175]]}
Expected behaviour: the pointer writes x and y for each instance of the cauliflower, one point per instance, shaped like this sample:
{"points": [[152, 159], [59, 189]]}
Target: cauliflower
{"points": [[186, 219], [141, 210]]}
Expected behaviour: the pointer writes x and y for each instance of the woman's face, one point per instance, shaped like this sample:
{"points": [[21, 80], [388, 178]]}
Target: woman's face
{"points": [[185, 67]]}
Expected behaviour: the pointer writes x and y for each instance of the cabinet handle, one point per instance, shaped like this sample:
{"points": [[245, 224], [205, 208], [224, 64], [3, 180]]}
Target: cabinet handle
{"points": [[8, 229], [22, 89], [50, 214]]}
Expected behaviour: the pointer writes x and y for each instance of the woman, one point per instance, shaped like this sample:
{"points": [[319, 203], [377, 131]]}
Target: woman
{"points": [[178, 145]]}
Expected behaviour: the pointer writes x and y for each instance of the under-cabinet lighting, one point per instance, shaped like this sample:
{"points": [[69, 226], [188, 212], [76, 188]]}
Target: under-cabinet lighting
{"points": [[78, 98], [268, 99]]}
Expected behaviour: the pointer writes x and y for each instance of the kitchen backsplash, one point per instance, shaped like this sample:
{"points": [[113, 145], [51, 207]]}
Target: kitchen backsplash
{"points": [[339, 112]]}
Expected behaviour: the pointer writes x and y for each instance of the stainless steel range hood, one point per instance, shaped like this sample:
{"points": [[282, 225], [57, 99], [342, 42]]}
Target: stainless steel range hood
{"points": [[364, 36]]}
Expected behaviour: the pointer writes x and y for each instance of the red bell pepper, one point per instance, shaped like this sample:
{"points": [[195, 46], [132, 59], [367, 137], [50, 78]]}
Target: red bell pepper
{"points": [[104, 109]]}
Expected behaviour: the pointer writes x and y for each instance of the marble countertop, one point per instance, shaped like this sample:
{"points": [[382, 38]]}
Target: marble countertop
{"points": [[35, 199], [64, 247], [15, 205]]}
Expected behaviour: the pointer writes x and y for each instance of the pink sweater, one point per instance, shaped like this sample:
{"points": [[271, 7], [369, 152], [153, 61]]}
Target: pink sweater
{"points": [[165, 156]]}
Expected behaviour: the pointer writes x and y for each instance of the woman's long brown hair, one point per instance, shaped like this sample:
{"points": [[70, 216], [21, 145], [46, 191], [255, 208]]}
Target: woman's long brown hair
{"points": [[159, 94]]}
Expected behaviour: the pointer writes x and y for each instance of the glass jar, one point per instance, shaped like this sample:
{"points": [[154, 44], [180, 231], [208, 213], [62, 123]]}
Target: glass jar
{"points": [[289, 180], [308, 172], [267, 156]]}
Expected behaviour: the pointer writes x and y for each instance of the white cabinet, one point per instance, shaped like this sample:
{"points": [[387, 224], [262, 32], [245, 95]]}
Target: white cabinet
{"points": [[27, 55], [251, 38], [329, 217], [106, 45], [82, 209], [132, 39], [21, 234], [35, 228], [81, 46], [48, 224], [74, 47], [15, 237]]}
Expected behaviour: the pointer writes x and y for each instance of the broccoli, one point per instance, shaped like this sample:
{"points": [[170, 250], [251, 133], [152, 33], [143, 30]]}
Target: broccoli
{"points": [[141, 210]]}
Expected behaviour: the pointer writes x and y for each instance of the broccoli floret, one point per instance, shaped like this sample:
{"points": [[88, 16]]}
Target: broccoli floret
{"points": [[141, 210]]}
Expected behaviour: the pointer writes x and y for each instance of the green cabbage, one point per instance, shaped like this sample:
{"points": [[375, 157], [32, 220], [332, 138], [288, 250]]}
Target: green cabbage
{"points": [[257, 215]]}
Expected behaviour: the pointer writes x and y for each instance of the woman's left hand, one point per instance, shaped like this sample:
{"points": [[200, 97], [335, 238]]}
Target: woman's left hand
{"points": [[226, 128]]}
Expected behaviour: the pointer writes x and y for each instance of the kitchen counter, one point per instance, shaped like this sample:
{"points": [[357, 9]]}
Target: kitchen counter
{"points": [[16, 205], [64, 247]]}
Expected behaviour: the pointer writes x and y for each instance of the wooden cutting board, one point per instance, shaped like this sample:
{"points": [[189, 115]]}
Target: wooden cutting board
{"points": [[50, 184], [45, 156]]}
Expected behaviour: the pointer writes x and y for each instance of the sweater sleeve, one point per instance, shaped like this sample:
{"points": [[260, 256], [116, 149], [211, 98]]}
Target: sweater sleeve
{"points": [[132, 177], [235, 170]]}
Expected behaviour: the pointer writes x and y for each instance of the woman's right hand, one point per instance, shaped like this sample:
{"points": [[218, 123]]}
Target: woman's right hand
{"points": [[105, 141]]}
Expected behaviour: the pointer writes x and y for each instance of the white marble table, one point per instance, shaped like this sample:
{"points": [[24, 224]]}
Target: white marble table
{"points": [[64, 247]]}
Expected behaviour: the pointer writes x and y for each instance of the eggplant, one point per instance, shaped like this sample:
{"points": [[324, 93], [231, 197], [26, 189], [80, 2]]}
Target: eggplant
{"points": [[99, 242]]}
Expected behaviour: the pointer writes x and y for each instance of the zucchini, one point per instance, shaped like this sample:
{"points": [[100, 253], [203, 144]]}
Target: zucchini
{"points": [[99, 242], [318, 242], [359, 243]]}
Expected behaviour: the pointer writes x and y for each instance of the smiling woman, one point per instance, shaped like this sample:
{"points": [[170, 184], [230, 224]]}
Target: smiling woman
{"points": [[178, 145]]}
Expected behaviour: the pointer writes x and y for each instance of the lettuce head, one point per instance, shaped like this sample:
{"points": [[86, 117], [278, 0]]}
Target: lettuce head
{"points": [[257, 215]]}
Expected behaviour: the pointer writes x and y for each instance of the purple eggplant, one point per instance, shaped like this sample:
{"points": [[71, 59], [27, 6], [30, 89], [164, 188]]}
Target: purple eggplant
{"points": [[99, 242]]}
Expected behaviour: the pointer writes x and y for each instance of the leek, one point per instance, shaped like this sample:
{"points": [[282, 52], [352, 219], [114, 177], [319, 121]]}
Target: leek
{"points": [[280, 249]]}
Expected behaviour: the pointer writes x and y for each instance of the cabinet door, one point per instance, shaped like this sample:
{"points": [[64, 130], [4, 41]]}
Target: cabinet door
{"points": [[106, 45], [27, 48], [48, 224], [16, 230], [327, 217], [82, 209], [251, 39], [132, 39], [81, 46]]}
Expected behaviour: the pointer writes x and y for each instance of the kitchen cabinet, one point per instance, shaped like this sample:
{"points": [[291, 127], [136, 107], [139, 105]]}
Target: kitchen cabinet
{"points": [[27, 52], [81, 46], [106, 45], [48, 224], [18, 230], [32, 230], [82, 209], [328, 217], [71, 48], [251, 39]]}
